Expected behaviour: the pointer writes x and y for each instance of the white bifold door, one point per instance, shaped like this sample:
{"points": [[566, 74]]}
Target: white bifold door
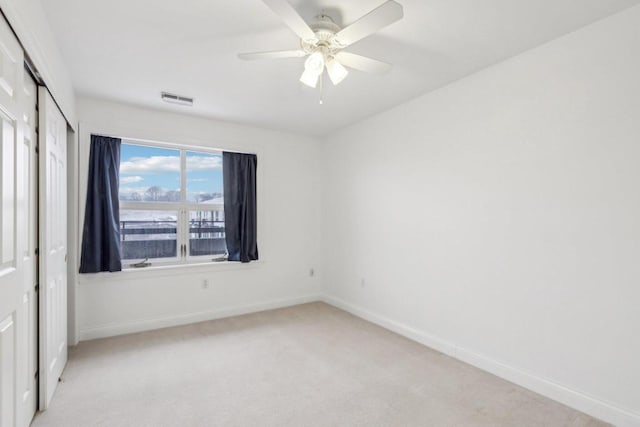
{"points": [[18, 236], [53, 245]]}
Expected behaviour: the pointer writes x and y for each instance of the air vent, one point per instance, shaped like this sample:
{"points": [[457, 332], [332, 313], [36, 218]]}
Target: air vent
{"points": [[177, 99]]}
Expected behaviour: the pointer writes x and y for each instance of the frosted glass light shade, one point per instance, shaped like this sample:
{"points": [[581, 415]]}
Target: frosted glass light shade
{"points": [[315, 62], [337, 72], [310, 78]]}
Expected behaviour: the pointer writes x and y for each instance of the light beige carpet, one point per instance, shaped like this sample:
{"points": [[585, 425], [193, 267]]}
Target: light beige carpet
{"points": [[309, 365]]}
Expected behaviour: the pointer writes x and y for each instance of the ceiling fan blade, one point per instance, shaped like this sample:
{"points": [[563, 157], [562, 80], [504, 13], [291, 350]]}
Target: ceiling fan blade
{"points": [[375, 20], [289, 16], [279, 54], [362, 63]]}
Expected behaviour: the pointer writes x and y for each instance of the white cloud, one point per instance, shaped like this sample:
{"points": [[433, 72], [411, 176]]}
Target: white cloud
{"points": [[130, 179], [160, 164], [198, 180], [201, 163], [153, 164]]}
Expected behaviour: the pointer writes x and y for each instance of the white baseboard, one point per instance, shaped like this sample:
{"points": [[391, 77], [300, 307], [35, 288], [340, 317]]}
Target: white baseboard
{"points": [[141, 325], [595, 407]]}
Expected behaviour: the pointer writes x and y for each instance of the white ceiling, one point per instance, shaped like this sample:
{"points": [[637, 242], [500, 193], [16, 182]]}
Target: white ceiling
{"points": [[130, 51]]}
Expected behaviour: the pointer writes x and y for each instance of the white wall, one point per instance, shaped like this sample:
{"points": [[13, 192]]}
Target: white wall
{"points": [[496, 219], [288, 230]]}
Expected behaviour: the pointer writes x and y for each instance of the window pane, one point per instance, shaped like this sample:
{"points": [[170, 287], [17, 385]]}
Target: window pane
{"points": [[204, 178], [206, 233], [148, 234], [149, 174]]}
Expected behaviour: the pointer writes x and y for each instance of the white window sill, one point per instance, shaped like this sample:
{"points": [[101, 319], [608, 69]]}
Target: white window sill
{"points": [[168, 270]]}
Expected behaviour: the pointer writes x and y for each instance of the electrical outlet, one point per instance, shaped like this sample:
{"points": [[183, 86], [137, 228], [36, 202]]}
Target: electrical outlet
{"points": [[205, 284]]}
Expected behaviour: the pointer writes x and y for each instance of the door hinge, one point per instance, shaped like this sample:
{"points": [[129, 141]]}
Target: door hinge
{"points": [[36, 288], [37, 251], [37, 374]]}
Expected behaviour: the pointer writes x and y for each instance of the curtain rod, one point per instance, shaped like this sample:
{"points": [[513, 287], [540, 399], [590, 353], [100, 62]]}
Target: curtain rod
{"points": [[173, 144]]}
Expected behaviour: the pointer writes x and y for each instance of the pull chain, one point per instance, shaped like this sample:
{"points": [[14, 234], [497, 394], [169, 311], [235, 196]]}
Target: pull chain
{"points": [[321, 101]]}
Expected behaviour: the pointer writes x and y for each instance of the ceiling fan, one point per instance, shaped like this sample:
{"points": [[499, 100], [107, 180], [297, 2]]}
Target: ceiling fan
{"points": [[323, 41]]}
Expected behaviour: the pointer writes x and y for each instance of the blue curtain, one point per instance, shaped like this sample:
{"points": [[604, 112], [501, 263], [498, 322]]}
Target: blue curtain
{"points": [[101, 232], [240, 205]]}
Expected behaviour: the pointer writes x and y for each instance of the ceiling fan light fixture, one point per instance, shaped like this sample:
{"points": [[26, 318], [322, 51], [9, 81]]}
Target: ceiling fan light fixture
{"points": [[323, 41], [337, 72], [315, 63], [310, 78]]}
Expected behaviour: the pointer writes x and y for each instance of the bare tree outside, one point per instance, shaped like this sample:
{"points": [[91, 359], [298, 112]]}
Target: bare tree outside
{"points": [[152, 193]]}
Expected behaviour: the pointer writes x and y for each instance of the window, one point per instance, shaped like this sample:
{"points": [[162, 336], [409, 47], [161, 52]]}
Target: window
{"points": [[171, 205]]}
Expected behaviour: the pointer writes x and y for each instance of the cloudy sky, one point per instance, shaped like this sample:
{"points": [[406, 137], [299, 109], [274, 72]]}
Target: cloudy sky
{"points": [[142, 167]]}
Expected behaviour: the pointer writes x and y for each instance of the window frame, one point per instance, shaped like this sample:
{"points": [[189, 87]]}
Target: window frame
{"points": [[183, 208]]}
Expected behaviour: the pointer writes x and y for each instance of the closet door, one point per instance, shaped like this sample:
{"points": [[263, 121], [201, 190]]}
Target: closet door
{"points": [[28, 333], [13, 352], [53, 245]]}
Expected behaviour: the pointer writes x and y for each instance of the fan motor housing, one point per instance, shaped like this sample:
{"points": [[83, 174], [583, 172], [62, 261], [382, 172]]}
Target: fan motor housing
{"points": [[325, 29]]}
